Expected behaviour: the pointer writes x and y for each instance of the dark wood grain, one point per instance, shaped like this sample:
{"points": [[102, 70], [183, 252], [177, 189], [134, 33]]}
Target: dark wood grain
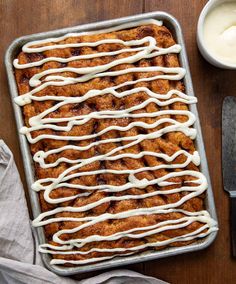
{"points": [[213, 265]]}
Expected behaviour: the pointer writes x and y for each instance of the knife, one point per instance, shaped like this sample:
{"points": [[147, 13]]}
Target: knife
{"points": [[229, 160]]}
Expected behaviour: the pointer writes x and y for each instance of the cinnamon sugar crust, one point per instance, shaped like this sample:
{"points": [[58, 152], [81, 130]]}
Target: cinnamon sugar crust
{"points": [[168, 143]]}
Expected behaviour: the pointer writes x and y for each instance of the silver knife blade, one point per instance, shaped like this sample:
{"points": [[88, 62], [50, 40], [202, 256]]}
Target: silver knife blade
{"points": [[229, 145]]}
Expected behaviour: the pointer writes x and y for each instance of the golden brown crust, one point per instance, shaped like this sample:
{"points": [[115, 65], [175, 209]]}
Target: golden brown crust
{"points": [[168, 143]]}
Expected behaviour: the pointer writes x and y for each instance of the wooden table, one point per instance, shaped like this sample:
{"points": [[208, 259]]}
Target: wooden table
{"points": [[213, 265]]}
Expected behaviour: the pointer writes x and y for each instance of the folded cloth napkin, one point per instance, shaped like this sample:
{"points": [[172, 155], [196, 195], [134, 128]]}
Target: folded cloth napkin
{"points": [[20, 262]]}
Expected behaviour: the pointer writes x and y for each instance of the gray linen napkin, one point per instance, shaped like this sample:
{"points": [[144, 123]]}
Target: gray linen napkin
{"points": [[20, 262]]}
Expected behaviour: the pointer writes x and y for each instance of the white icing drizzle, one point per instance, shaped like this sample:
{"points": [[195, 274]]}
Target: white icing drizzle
{"points": [[28, 46], [28, 97], [155, 98], [176, 126], [159, 227], [195, 191], [138, 49], [159, 51]]}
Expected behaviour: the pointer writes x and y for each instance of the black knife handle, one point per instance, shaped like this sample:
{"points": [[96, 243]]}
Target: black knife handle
{"points": [[233, 224]]}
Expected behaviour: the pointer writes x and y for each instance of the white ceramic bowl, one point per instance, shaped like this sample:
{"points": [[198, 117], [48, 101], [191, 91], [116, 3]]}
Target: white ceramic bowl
{"points": [[211, 4]]}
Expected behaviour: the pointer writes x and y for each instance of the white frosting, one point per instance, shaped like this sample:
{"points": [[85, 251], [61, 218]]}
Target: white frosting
{"points": [[203, 217], [219, 32], [152, 46], [177, 126], [154, 229], [194, 187]]}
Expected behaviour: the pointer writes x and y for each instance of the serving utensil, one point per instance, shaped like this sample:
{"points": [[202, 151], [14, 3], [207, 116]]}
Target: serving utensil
{"points": [[229, 160]]}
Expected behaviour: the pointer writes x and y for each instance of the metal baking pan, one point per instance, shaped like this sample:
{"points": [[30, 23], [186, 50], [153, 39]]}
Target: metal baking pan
{"points": [[170, 22]]}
